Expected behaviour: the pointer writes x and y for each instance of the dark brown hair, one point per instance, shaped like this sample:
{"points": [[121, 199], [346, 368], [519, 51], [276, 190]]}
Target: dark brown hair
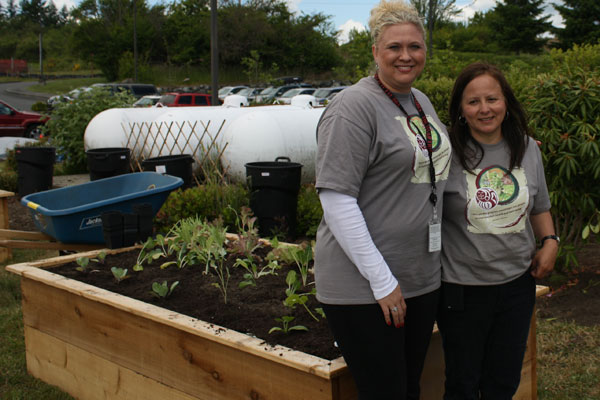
{"points": [[514, 125]]}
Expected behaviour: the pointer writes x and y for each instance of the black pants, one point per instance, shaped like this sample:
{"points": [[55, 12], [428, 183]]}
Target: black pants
{"points": [[484, 332], [386, 362]]}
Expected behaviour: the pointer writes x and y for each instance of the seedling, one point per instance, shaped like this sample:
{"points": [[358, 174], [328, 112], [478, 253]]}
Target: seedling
{"points": [[162, 289], [84, 262], [301, 298], [285, 325], [119, 273], [254, 273], [292, 281]]}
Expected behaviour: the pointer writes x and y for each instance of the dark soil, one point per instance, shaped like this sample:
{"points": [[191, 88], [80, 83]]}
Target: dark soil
{"points": [[252, 310]]}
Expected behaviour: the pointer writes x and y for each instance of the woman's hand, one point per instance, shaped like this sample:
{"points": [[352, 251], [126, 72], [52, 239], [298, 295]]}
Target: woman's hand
{"points": [[543, 261], [393, 307]]}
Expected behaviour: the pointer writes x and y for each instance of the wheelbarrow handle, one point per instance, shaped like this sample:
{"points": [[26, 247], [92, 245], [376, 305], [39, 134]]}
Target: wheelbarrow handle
{"points": [[32, 205]]}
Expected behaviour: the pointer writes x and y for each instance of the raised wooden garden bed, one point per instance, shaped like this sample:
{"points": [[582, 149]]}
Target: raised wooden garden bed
{"points": [[95, 344]]}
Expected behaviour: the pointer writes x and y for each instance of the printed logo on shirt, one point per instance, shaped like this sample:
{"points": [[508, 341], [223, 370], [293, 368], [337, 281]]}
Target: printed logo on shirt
{"points": [[497, 200], [415, 131]]}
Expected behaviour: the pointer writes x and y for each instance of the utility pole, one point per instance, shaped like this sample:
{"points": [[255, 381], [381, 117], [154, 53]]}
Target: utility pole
{"points": [[41, 38], [214, 54], [135, 52]]}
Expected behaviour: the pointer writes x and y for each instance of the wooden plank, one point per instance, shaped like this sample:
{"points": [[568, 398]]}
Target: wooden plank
{"points": [[27, 235], [24, 244], [194, 364], [5, 253], [87, 376]]}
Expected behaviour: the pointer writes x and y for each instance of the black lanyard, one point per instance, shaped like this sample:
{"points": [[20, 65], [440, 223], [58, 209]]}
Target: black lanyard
{"points": [[428, 137]]}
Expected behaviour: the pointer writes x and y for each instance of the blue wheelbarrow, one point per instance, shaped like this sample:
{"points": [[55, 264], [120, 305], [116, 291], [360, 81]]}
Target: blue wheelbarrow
{"points": [[73, 214]]}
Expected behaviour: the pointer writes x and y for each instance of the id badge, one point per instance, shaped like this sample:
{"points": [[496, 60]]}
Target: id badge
{"points": [[435, 236]]}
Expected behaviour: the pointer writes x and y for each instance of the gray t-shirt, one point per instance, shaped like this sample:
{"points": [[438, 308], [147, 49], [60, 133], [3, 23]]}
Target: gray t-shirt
{"points": [[486, 233], [368, 149]]}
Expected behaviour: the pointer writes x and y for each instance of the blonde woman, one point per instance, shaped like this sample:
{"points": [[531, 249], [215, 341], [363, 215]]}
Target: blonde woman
{"points": [[383, 155]]}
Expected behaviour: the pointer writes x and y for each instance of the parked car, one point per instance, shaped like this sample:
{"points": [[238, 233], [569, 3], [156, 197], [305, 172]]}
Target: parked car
{"points": [[323, 94], [147, 101], [286, 98], [250, 93], [184, 99], [138, 90], [20, 123], [228, 90], [271, 93]]}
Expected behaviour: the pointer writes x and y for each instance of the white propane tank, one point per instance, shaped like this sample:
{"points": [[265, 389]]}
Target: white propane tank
{"points": [[251, 133], [105, 129], [264, 135], [235, 100]]}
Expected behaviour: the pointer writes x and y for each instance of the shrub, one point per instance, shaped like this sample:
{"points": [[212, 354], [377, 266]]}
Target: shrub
{"points": [[8, 181], [40, 107], [208, 201], [564, 108], [309, 211], [439, 91], [69, 120]]}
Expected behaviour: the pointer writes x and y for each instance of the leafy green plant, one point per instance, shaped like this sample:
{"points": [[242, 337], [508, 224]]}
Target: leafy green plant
{"points": [[301, 255], [148, 252], [84, 262], [69, 120], [309, 212], [253, 272], [565, 116], [209, 202], [293, 284], [285, 325], [248, 238], [302, 298], [163, 290], [119, 274]]}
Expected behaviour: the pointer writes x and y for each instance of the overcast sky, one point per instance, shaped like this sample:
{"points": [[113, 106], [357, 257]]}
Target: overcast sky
{"points": [[349, 14]]}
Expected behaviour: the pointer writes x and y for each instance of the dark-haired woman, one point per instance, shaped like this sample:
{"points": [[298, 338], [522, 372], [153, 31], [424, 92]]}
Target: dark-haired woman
{"points": [[495, 205]]}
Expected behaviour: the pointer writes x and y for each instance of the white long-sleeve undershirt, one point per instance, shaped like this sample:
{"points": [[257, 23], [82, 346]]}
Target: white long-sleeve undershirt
{"points": [[347, 223]]}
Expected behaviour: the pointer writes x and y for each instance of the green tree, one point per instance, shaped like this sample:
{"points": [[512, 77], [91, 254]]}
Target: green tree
{"points": [[518, 25], [356, 55], [582, 22], [434, 11], [105, 32]]}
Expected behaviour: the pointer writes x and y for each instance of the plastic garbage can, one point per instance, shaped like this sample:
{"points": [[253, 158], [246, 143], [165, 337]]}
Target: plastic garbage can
{"points": [[174, 165], [35, 168], [108, 161], [274, 187]]}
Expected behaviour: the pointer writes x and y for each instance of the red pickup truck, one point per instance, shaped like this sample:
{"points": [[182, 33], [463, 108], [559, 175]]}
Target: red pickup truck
{"points": [[184, 99], [20, 123]]}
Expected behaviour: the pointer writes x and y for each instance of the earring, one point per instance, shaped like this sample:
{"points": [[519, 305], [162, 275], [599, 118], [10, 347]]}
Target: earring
{"points": [[377, 66], [507, 114], [462, 120]]}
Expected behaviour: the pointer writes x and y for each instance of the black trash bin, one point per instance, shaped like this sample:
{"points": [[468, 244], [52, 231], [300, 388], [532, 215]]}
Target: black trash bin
{"points": [[274, 189], [108, 161], [35, 168], [175, 165]]}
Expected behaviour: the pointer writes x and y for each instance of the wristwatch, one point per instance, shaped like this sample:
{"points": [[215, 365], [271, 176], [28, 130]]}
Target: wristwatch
{"points": [[554, 237]]}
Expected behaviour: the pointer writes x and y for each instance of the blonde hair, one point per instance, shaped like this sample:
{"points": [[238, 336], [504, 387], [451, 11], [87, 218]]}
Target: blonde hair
{"points": [[391, 13]]}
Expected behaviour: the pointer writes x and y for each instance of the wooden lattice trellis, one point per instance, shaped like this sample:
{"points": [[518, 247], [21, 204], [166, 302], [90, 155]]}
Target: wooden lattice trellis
{"points": [[179, 137]]}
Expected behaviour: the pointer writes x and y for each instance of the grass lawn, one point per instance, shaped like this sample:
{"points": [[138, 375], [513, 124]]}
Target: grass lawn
{"points": [[568, 355]]}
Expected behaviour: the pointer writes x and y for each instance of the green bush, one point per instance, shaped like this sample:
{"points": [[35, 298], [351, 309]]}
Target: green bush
{"points": [[208, 201], [8, 181], [564, 108], [439, 91], [69, 120], [40, 107], [309, 211]]}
